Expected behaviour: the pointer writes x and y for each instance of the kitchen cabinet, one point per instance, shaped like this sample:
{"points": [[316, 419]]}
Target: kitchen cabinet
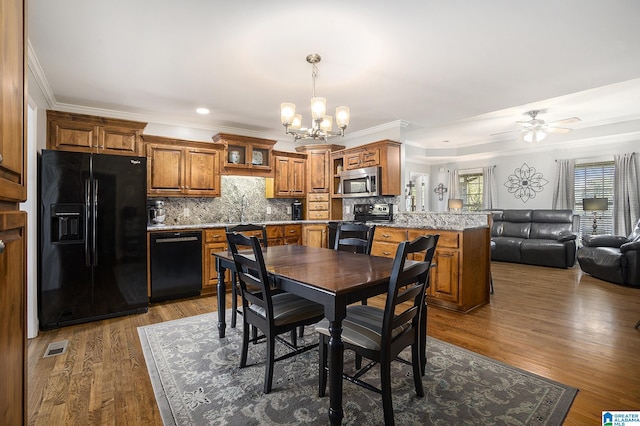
{"points": [[289, 175], [87, 133], [318, 203], [215, 239], [13, 317], [275, 235], [13, 223], [315, 235], [245, 155], [13, 100], [460, 279], [384, 154], [182, 168]]}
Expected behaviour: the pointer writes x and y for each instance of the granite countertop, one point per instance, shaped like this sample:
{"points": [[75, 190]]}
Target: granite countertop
{"points": [[152, 228]]}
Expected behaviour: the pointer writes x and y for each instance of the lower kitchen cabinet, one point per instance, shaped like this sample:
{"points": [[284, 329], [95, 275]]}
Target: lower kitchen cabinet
{"points": [[460, 280], [315, 236], [215, 239]]}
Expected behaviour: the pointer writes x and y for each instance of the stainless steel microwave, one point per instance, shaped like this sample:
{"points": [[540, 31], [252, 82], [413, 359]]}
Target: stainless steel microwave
{"points": [[360, 182]]}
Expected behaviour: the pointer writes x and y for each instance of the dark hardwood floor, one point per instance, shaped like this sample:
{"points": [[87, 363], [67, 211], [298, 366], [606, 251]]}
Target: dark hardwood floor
{"points": [[557, 323]]}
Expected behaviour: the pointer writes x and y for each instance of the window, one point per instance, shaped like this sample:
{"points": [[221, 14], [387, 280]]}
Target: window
{"points": [[471, 191], [595, 180]]}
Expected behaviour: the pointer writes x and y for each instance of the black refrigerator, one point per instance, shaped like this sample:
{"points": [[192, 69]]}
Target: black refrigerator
{"points": [[92, 261]]}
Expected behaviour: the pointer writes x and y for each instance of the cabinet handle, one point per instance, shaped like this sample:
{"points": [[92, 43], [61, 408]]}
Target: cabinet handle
{"points": [[386, 253], [2, 246], [0, 158], [386, 235]]}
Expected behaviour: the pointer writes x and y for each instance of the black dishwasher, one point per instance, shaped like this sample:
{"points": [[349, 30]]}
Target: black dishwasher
{"points": [[176, 264]]}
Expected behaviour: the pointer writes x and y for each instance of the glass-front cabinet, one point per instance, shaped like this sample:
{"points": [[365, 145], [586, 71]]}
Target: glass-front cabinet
{"points": [[245, 155]]}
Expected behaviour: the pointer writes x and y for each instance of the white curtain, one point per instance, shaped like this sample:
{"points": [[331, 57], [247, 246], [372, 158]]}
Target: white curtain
{"points": [[626, 207], [564, 195], [454, 184], [489, 188]]}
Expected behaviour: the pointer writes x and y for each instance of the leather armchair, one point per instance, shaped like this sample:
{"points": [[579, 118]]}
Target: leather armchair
{"points": [[612, 258]]}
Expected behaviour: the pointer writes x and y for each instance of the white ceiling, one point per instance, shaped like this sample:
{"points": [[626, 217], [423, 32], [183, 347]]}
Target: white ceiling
{"points": [[456, 70]]}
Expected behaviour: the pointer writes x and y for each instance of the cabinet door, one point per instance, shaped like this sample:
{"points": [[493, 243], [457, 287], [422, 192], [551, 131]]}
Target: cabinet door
{"points": [[444, 276], [353, 160], [282, 174], [202, 172], [119, 141], [370, 158], [318, 164], [165, 168], [297, 179], [13, 308], [315, 236], [12, 102], [210, 274], [72, 135]]}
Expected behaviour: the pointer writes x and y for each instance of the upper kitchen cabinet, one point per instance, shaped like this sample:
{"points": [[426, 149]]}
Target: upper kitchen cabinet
{"points": [[289, 174], [88, 133], [384, 154], [13, 102], [182, 168], [245, 155]]}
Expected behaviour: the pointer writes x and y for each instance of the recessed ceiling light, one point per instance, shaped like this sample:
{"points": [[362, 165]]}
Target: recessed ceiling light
{"points": [[202, 111]]}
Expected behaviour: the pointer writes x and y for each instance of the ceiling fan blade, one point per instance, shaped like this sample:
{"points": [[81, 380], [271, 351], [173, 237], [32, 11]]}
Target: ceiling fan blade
{"points": [[558, 130], [504, 133], [566, 121]]}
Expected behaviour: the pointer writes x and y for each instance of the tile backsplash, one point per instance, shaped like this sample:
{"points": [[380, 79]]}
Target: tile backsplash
{"points": [[228, 207]]}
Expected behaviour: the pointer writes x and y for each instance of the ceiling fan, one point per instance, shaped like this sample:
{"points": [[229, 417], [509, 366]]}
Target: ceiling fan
{"points": [[536, 129]]}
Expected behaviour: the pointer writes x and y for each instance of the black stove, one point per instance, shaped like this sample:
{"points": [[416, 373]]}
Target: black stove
{"points": [[373, 212]]}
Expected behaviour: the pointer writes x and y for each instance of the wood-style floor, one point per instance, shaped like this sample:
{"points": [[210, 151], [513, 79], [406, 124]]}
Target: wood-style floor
{"points": [[557, 323]]}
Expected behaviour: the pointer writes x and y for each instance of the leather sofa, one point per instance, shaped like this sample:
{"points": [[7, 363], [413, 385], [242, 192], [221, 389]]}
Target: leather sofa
{"points": [[535, 237], [612, 258]]}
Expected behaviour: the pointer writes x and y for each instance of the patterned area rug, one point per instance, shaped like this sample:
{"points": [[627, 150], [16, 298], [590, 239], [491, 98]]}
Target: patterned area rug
{"points": [[197, 381]]}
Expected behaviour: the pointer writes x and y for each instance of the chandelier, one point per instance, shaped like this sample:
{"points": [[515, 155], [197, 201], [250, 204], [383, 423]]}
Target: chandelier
{"points": [[322, 124]]}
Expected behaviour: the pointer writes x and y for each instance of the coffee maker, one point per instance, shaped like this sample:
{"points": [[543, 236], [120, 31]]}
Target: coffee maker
{"points": [[296, 210], [156, 213]]}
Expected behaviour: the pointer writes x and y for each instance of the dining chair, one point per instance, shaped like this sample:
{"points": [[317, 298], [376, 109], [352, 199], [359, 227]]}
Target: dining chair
{"points": [[249, 230], [270, 312], [354, 237], [381, 334]]}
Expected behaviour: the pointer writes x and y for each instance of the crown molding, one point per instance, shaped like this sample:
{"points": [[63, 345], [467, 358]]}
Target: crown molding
{"points": [[40, 79]]}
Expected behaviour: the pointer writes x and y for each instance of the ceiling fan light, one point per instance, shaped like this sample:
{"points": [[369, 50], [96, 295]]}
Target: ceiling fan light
{"points": [[287, 113], [318, 108], [534, 136], [343, 114]]}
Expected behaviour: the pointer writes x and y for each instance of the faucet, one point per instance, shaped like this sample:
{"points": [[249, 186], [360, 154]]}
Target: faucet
{"points": [[242, 208]]}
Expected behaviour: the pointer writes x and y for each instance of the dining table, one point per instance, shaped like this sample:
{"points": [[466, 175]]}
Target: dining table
{"points": [[331, 278]]}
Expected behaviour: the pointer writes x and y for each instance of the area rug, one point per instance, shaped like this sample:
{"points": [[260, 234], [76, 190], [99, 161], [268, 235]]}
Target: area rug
{"points": [[196, 380]]}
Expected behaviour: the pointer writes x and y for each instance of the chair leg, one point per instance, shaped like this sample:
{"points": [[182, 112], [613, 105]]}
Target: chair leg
{"points": [[245, 344], [234, 300], [417, 371], [270, 361], [301, 331], [294, 338], [322, 366], [637, 324], [385, 381]]}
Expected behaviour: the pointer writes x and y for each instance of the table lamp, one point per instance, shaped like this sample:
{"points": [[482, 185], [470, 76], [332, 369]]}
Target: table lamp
{"points": [[595, 205], [454, 204]]}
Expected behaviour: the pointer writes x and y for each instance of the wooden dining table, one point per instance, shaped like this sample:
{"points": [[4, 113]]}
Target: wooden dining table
{"points": [[332, 278]]}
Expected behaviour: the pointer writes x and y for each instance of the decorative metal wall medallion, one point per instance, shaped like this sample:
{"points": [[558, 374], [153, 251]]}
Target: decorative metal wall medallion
{"points": [[525, 182], [440, 190]]}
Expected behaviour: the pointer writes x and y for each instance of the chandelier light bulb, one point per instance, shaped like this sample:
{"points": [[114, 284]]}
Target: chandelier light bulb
{"points": [[287, 113], [297, 122], [318, 108], [342, 117], [327, 123]]}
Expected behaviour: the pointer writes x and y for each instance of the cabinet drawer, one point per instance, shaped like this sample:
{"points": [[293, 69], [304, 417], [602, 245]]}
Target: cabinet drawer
{"points": [[449, 239], [384, 249], [273, 232], [217, 235], [292, 231], [318, 215], [317, 196], [392, 235], [318, 206]]}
